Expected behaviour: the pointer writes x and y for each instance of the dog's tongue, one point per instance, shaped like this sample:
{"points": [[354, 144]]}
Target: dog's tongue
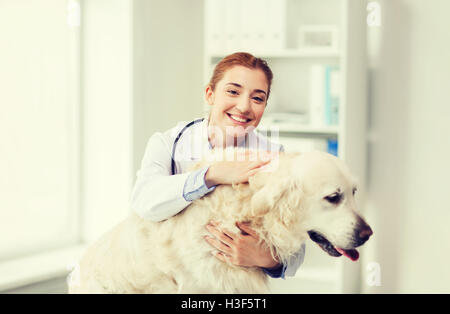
{"points": [[351, 254]]}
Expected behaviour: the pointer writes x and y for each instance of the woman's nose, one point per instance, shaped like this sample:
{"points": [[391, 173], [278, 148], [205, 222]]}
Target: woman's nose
{"points": [[243, 104]]}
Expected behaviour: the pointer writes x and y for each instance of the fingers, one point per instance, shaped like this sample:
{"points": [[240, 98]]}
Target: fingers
{"points": [[215, 226], [252, 173], [218, 245], [239, 249], [255, 155], [244, 227], [222, 242], [230, 234], [222, 256], [224, 236], [255, 166], [258, 164]]}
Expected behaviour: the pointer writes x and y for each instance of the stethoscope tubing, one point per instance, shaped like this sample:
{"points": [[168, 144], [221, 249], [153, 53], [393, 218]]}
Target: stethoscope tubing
{"points": [[174, 147]]}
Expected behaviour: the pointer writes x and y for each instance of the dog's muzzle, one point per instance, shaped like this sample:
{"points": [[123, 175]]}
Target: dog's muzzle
{"points": [[361, 234], [323, 243]]}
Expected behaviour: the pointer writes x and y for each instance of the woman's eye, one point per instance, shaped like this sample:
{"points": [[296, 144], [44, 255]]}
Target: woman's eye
{"points": [[258, 99], [354, 191], [333, 198], [232, 92]]}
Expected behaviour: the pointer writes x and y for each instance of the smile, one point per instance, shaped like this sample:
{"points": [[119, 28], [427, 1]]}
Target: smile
{"points": [[238, 119]]}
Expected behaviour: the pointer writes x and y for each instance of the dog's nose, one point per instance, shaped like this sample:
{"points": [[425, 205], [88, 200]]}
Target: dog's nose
{"points": [[362, 233], [365, 233]]}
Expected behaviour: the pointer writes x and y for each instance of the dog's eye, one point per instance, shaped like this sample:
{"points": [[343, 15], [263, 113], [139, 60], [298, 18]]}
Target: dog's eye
{"points": [[333, 198]]}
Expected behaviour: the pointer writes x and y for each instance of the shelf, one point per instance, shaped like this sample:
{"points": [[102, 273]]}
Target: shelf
{"points": [[288, 53], [293, 68], [298, 128]]}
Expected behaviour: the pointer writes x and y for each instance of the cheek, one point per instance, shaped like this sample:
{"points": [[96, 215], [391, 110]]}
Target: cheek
{"points": [[220, 106], [259, 110], [224, 103]]}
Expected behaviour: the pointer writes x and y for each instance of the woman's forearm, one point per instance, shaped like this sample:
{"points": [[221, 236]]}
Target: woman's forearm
{"points": [[159, 197]]}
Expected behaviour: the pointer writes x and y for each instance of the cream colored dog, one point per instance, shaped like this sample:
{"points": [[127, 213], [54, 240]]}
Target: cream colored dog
{"points": [[304, 194]]}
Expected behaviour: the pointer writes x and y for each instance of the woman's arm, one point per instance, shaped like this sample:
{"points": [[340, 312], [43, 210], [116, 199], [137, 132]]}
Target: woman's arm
{"points": [[158, 195], [245, 165]]}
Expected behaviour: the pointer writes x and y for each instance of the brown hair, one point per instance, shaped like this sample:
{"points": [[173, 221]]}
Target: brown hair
{"points": [[243, 59]]}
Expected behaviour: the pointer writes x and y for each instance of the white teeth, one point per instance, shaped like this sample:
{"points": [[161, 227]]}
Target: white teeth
{"points": [[238, 119]]}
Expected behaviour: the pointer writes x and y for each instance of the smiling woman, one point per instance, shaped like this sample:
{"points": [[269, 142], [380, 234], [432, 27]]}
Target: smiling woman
{"points": [[238, 100], [237, 93]]}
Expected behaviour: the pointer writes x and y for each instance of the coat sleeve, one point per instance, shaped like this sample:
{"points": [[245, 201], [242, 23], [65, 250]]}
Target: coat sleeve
{"points": [[294, 263], [158, 195]]}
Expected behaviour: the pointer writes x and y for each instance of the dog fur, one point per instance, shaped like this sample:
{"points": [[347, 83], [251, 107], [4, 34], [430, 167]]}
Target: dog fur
{"points": [[281, 205]]}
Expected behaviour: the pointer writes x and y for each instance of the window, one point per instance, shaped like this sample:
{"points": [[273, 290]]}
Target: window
{"points": [[39, 126]]}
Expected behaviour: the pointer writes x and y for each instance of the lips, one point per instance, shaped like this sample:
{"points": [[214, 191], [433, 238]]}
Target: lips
{"points": [[238, 119]]}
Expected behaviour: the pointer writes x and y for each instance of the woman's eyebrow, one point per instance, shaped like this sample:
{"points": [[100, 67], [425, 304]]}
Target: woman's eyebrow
{"points": [[240, 86], [234, 84]]}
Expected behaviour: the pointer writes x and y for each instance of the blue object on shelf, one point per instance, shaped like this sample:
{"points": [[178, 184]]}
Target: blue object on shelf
{"points": [[332, 147]]}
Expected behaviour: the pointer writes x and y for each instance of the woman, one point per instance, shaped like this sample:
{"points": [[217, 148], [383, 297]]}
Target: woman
{"points": [[237, 93]]}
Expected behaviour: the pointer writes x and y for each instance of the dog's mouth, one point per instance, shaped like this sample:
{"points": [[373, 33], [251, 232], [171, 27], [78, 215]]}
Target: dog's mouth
{"points": [[330, 248]]}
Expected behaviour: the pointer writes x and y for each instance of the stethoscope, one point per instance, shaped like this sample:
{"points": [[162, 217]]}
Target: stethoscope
{"points": [[174, 167]]}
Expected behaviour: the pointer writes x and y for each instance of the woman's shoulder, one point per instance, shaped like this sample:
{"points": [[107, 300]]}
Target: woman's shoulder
{"points": [[168, 136], [181, 126]]}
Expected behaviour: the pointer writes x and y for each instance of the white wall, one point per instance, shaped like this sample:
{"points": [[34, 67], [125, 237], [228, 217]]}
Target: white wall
{"points": [[38, 128], [410, 147], [168, 68], [107, 112], [142, 72]]}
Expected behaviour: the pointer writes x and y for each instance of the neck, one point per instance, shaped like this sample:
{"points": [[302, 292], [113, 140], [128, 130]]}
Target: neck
{"points": [[222, 140]]}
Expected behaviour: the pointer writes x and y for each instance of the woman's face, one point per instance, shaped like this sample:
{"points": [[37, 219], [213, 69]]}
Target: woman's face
{"points": [[238, 101]]}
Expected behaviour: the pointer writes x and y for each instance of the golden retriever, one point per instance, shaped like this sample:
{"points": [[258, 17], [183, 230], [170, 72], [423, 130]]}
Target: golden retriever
{"points": [[308, 194]]}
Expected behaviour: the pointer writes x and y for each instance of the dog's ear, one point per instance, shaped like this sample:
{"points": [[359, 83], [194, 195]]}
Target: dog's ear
{"points": [[266, 198], [280, 195], [289, 202]]}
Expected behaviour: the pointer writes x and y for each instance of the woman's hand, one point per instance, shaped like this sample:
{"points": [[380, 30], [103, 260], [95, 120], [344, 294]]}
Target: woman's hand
{"points": [[240, 249], [237, 171]]}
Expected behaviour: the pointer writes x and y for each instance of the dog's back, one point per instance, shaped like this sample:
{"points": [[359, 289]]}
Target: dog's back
{"points": [[140, 256]]}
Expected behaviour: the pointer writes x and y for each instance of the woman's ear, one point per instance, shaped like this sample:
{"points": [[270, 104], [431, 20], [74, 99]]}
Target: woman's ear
{"points": [[209, 95]]}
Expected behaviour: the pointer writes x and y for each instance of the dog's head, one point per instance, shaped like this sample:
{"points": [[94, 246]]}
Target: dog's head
{"points": [[310, 194]]}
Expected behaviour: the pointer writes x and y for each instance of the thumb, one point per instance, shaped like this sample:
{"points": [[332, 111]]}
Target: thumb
{"points": [[245, 228]]}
